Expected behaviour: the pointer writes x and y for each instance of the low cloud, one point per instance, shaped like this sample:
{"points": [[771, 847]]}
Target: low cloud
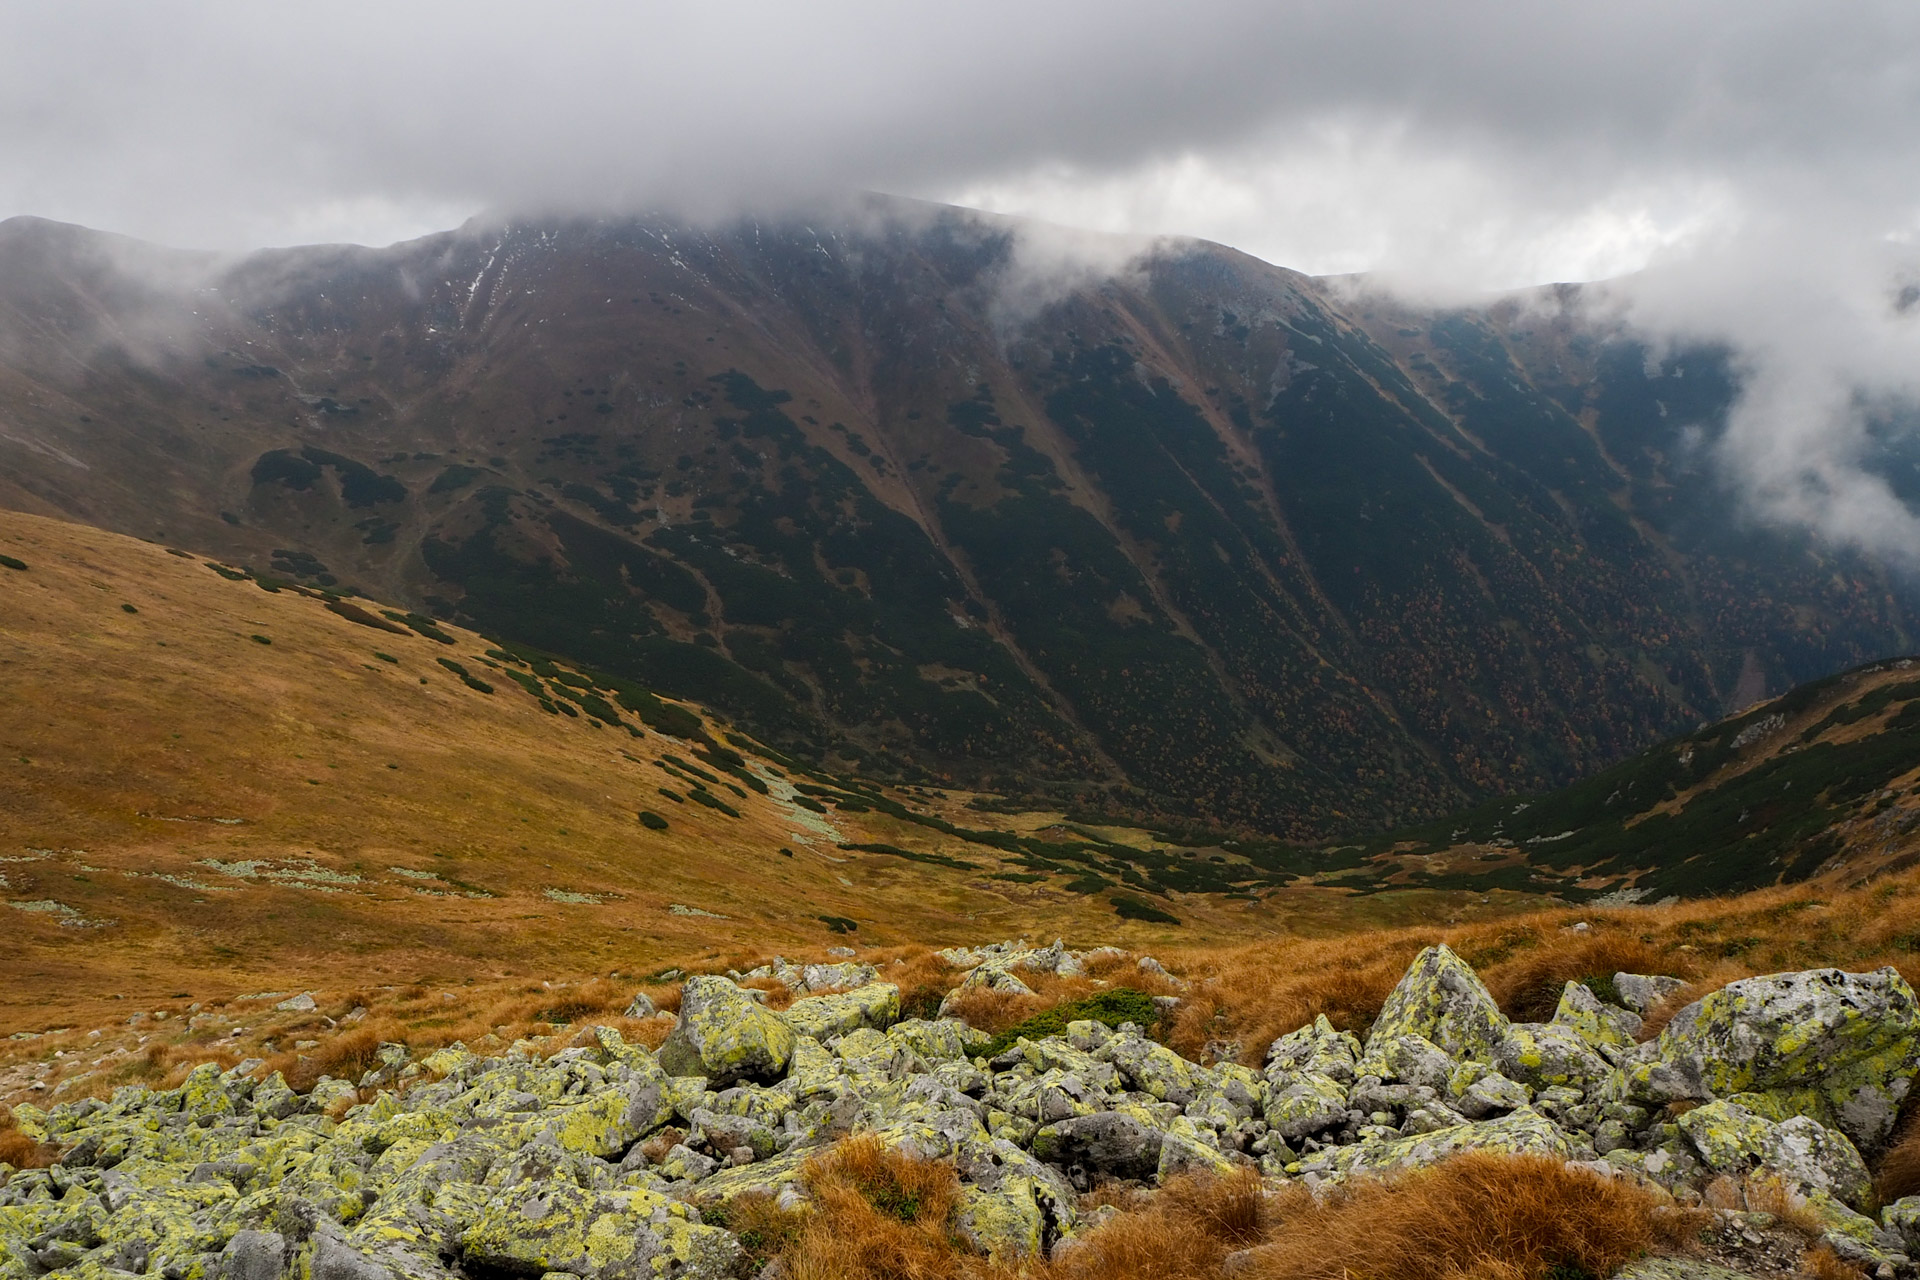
{"points": [[1750, 164]]}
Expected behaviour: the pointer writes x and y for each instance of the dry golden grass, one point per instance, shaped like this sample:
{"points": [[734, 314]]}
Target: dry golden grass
{"points": [[1822, 1263], [20, 1151], [878, 1215], [138, 749], [1898, 1174]]}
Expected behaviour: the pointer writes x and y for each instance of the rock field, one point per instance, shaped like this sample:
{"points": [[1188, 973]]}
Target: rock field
{"points": [[602, 1159]]}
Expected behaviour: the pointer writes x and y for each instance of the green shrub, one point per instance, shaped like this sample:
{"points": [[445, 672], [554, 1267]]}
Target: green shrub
{"points": [[840, 924], [127, 608], [386, 657], [713, 801], [261, 640], [652, 821], [1131, 908], [1112, 1007], [12, 563], [231, 575]]}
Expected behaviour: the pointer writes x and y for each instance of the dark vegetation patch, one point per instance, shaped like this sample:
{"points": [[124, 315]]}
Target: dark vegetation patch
{"points": [[1114, 1007], [652, 821], [12, 562], [354, 613]]}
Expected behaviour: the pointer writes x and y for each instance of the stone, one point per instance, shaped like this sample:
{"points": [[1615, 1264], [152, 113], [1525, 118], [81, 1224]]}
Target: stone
{"points": [[1543, 1055], [1408, 1059], [254, 1255], [1119, 1144], [875, 1006], [1803, 1154], [1607, 1029], [1441, 998], [1643, 992], [302, 1003], [641, 1006], [725, 1036], [1309, 1104], [1317, 1049], [610, 1235], [1903, 1217], [1152, 1068], [1840, 1044]]}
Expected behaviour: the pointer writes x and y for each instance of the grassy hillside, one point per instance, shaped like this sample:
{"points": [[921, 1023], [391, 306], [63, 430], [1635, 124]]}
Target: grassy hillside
{"points": [[1821, 782], [216, 785]]}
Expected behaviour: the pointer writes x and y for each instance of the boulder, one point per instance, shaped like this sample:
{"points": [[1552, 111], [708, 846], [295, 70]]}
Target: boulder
{"points": [[1543, 1055], [1316, 1048], [1903, 1217], [1525, 1132], [1120, 1144], [1408, 1059], [1608, 1030], [610, 1235], [876, 1006], [1839, 1046], [1307, 1105], [725, 1036], [1642, 991], [612, 1120], [1803, 1154], [1441, 998]]}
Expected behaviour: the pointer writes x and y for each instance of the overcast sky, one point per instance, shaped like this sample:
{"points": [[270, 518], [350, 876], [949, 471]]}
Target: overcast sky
{"points": [[1765, 156]]}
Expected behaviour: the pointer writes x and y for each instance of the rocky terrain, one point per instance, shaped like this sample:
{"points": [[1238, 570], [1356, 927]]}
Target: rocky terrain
{"points": [[1766, 1100]]}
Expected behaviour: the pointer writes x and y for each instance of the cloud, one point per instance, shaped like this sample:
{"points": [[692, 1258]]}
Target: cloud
{"points": [[1756, 161]]}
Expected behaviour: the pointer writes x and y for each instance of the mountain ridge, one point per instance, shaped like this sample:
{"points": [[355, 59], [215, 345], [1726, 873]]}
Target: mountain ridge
{"points": [[1199, 538]]}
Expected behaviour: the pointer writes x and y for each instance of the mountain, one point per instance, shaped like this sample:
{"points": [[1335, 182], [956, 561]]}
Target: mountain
{"points": [[1823, 781], [1195, 538]]}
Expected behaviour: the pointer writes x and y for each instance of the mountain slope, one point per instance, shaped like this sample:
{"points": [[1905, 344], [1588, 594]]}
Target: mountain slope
{"points": [[212, 782], [1822, 783], [1204, 538]]}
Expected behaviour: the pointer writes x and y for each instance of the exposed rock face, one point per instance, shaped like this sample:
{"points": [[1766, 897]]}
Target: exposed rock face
{"points": [[725, 1036], [599, 1161], [1836, 1046]]}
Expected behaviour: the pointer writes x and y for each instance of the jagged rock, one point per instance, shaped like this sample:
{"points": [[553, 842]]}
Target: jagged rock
{"points": [[1442, 999], [616, 1235], [723, 1035], [1309, 1104], [1478, 1092], [1117, 1143], [1152, 1068], [1316, 1048], [1803, 1154], [1524, 1132], [1676, 1269], [641, 1006], [1642, 992], [1608, 1030], [876, 1006], [1903, 1217], [1408, 1059], [1542, 1055], [1836, 1045]]}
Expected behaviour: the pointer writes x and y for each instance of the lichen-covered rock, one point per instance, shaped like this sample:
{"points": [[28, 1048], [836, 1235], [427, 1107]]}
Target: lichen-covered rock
{"points": [[1643, 991], [1441, 998], [1543, 1055], [1408, 1059], [612, 1120], [1903, 1217], [1478, 1092], [1306, 1105], [611, 1235], [1317, 1049], [1152, 1068], [1608, 1030], [1803, 1154], [1525, 1132], [725, 1036], [1845, 1043], [939, 1040], [875, 1006], [1120, 1144]]}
